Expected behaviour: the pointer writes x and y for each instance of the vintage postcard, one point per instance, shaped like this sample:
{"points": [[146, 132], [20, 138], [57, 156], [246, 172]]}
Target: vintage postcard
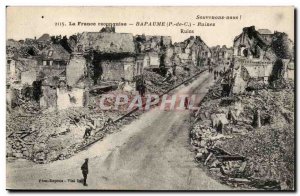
{"points": [[150, 98]]}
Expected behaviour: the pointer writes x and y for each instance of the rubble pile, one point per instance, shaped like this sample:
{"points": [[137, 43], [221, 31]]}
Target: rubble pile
{"points": [[121, 109], [214, 93], [229, 167], [255, 85], [49, 136], [184, 72], [155, 83], [46, 136], [270, 158], [21, 100], [58, 134], [247, 140], [202, 137], [281, 84]]}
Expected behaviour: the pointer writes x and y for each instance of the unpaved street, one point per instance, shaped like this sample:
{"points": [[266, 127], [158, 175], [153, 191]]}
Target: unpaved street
{"points": [[153, 153]]}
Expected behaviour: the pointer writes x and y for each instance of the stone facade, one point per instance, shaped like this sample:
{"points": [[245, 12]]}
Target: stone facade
{"points": [[116, 70], [75, 70]]}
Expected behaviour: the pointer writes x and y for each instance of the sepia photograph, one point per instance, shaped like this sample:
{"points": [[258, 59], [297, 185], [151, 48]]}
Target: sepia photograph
{"points": [[150, 98]]}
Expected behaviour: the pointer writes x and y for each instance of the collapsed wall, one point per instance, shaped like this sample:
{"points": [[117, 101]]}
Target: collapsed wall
{"points": [[70, 98], [245, 70], [75, 70]]}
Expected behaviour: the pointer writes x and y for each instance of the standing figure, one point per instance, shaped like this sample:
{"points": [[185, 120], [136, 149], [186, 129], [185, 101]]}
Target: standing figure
{"points": [[87, 132], [215, 75], [186, 103], [143, 89], [139, 88], [85, 171]]}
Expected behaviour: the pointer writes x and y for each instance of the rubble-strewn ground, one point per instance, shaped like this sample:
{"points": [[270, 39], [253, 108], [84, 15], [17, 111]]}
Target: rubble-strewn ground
{"points": [[242, 154], [49, 136], [58, 134], [156, 83]]}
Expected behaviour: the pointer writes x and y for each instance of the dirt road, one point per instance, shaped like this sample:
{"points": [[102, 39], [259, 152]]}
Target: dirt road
{"points": [[150, 153]]}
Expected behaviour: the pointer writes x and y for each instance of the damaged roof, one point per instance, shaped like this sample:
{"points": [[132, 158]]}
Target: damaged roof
{"points": [[55, 52], [44, 37], [107, 42], [196, 42], [252, 34], [265, 31]]}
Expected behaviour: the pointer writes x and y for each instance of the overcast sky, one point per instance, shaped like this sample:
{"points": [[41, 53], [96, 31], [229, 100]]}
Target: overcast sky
{"points": [[28, 22]]}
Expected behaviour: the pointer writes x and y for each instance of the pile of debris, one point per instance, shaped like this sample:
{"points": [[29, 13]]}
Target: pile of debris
{"points": [[182, 73], [247, 140], [282, 84], [58, 134], [155, 83], [109, 102], [270, 159], [49, 136], [215, 92], [229, 167], [23, 100]]}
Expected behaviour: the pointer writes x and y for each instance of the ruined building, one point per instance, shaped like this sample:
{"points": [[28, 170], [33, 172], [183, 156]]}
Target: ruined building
{"points": [[221, 55], [260, 57], [196, 50], [109, 55], [65, 70]]}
